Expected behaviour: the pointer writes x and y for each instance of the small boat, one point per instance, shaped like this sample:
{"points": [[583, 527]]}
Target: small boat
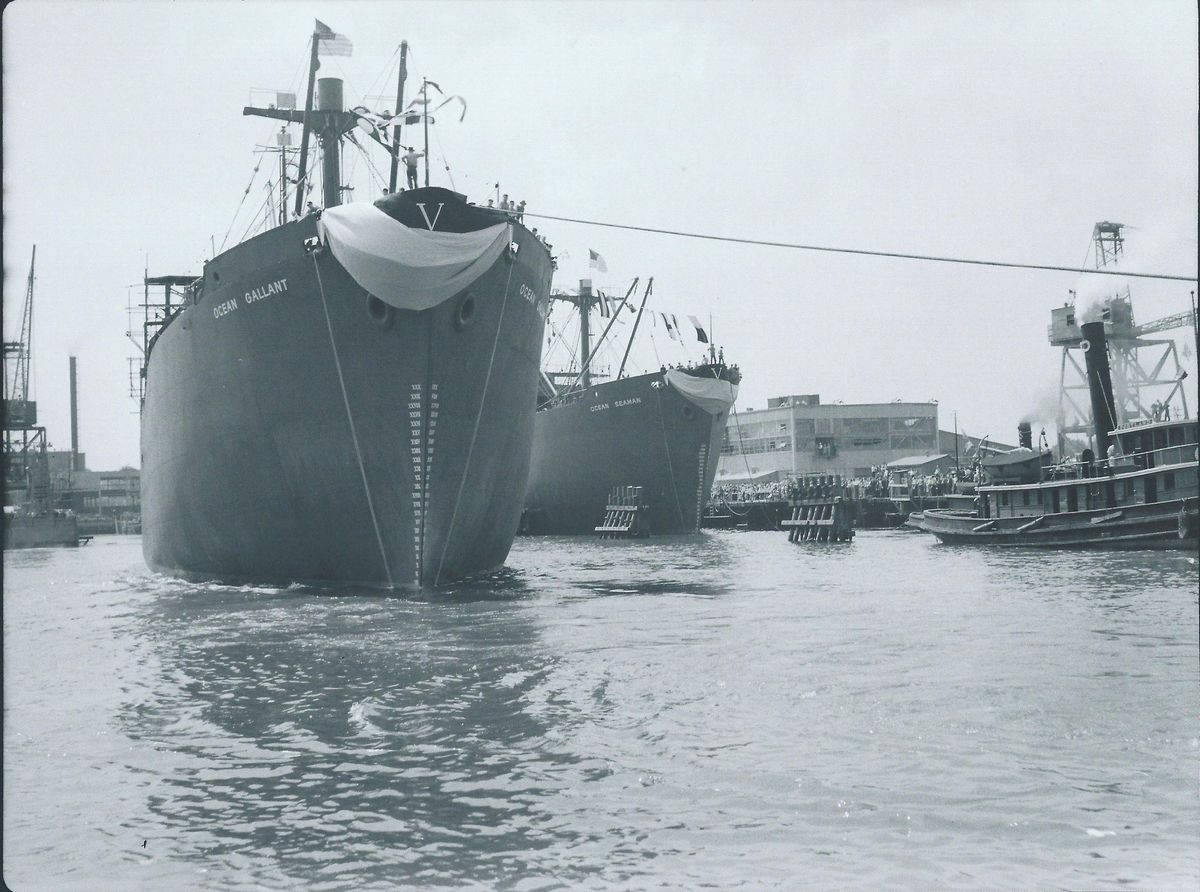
{"points": [[1141, 493]]}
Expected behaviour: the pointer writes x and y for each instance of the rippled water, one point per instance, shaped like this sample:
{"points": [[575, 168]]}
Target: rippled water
{"points": [[725, 710]]}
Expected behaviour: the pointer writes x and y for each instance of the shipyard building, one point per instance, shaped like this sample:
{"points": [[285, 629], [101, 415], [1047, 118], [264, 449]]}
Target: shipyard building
{"points": [[799, 434]]}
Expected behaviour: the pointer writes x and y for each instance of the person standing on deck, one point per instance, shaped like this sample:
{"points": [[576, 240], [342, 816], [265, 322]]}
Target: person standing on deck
{"points": [[410, 164]]}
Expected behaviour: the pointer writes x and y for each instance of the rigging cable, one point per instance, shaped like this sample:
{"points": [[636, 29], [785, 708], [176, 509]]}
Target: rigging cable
{"points": [[487, 380], [445, 163], [737, 423], [559, 336], [862, 251], [249, 186], [371, 168], [353, 433]]}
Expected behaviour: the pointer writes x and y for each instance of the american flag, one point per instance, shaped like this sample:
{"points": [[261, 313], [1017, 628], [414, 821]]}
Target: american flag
{"points": [[330, 43]]}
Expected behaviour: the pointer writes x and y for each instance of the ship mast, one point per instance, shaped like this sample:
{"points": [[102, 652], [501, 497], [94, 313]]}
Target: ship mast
{"points": [[425, 96], [636, 323], [330, 121], [313, 65], [584, 301], [399, 120]]}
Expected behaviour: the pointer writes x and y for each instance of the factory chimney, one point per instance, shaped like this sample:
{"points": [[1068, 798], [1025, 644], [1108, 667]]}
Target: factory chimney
{"points": [[1104, 410], [76, 464]]}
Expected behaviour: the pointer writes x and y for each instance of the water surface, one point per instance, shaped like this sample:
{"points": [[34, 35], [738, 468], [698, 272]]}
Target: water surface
{"points": [[728, 710]]}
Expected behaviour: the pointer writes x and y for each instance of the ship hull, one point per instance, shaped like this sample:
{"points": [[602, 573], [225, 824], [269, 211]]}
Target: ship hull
{"points": [[306, 433], [1170, 525], [636, 431]]}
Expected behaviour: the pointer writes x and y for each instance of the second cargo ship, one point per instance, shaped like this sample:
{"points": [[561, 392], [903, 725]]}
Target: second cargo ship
{"points": [[659, 431]]}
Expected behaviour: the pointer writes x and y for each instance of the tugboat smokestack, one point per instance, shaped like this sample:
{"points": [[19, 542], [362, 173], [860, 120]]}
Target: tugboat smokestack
{"points": [[1025, 435], [1104, 410]]}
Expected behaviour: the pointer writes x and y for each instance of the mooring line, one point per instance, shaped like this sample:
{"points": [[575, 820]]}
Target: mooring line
{"points": [[478, 416], [353, 433], [863, 251]]}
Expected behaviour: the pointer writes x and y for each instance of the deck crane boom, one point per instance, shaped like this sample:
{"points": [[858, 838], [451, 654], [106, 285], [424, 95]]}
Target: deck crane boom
{"points": [[17, 407]]}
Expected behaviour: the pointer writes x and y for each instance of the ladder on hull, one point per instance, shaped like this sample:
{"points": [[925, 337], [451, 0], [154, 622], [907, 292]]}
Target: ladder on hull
{"points": [[624, 515]]}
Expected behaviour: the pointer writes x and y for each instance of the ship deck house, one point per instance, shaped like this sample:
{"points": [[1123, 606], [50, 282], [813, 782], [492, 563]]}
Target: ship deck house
{"points": [[1156, 463]]}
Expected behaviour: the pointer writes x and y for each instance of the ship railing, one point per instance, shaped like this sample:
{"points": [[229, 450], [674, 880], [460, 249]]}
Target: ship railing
{"points": [[1074, 469], [1165, 455]]}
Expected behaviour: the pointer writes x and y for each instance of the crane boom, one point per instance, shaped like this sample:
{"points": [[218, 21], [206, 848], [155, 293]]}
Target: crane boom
{"points": [[17, 353], [1176, 320]]}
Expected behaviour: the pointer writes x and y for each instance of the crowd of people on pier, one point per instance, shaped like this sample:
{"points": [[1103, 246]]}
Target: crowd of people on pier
{"points": [[875, 486]]}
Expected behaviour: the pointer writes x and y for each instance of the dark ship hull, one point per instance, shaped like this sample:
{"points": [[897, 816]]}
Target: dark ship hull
{"points": [[1168, 525], [295, 428], [638, 431]]}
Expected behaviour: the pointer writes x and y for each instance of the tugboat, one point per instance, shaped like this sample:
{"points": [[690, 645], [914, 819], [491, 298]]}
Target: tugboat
{"points": [[349, 396], [1141, 491], [659, 431]]}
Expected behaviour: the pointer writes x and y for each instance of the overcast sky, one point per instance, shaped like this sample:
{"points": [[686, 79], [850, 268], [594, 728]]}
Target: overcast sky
{"points": [[974, 129]]}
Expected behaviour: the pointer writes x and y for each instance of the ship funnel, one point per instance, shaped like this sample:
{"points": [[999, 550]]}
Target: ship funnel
{"points": [[1025, 435], [329, 94], [1104, 410]]}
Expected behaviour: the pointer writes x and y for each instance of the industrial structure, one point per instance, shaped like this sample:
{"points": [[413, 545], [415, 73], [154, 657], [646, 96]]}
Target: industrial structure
{"points": [[156, 312], [798, 435], [31, 517], [1146, 372], [26, 474]]}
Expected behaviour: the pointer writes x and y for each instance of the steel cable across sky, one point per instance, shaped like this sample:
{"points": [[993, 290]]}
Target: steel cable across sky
{"points": [[865, 252]]}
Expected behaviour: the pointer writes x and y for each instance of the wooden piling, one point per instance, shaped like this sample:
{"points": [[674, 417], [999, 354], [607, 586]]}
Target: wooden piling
{"points": [[820, 520]]}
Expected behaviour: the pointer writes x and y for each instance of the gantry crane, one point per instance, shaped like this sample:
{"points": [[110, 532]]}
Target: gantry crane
{"points": [[26, 469], [1145, 371]]}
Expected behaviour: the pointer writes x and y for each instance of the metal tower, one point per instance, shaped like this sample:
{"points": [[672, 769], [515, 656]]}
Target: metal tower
{"points": [[26, 468], [1146, 372]]}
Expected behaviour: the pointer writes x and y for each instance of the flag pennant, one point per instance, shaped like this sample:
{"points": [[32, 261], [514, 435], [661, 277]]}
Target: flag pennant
{"points": [[701, 335], [604, 311], [676, 333], [595, 261], [330, 43], [420, 106]]}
